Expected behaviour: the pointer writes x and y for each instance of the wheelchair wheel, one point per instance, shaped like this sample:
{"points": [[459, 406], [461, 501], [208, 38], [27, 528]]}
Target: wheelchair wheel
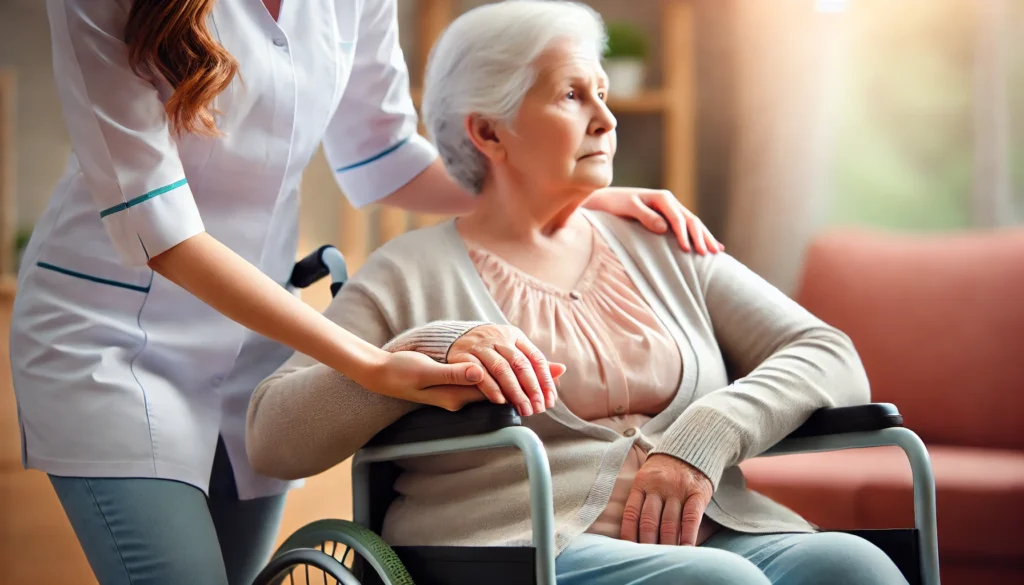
{"points": [[317, 553]]}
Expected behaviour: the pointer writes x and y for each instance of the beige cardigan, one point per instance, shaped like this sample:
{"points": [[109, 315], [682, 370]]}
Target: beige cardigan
{"points": [[755, 366]]}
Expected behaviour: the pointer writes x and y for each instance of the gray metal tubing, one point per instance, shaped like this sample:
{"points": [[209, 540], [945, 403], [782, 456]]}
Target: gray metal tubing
{"points": [[335, 264], [920, 468], [360, 492], [538, 473]]}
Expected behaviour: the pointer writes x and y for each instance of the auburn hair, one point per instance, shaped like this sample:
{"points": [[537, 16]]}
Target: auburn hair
{"points": [[171, 38]]}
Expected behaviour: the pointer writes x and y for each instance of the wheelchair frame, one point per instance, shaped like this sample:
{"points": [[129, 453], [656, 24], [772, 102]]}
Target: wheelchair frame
{"points": [[435, 432], [539, 477]]}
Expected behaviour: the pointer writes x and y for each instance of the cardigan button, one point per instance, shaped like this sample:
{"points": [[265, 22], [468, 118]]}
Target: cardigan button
{"points": [[629, 432], [575, 296]]}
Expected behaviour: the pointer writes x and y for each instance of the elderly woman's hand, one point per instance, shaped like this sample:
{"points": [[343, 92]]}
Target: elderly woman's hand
{"points": [[652, 207], [516, 371], [667, 502]]}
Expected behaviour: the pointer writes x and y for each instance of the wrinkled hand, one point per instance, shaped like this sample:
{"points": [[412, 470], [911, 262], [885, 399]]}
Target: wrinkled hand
{"points": [[515, 370], [652, 207], [666, 503]]}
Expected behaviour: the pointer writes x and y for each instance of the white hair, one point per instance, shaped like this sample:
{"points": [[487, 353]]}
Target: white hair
{"points": [[483, 64]]}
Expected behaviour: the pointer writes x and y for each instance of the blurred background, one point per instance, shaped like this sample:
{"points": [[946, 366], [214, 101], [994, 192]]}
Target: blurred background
{"points": [[866, 157]]}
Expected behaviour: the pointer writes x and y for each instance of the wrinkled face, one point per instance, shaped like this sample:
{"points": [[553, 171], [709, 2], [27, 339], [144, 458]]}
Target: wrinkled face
{"points": [[562, 140]]}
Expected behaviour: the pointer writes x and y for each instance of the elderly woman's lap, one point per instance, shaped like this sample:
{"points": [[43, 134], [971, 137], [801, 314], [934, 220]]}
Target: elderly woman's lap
{"points": [[803, 559], [599, 560], [729, 557]]}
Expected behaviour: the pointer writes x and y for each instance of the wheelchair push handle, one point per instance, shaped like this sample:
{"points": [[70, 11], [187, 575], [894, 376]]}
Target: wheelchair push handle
{"points": [[324, 261]]}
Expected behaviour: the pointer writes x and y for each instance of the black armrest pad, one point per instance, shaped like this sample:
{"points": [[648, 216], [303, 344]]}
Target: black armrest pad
{"points": [[431, 423], [850, 419]]}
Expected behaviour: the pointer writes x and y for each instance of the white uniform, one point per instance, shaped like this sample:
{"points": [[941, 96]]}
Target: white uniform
{"points": [[118, 372]]}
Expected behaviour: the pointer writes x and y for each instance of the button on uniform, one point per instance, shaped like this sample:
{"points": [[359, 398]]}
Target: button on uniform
{"points": [[280, 42], [630, 432]]}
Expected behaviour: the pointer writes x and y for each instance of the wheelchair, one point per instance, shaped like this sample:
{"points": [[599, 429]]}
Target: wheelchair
{"points": [[432, 431]]}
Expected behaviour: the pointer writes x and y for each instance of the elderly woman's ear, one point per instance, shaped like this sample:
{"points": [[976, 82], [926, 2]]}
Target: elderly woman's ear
{"points": [[483, 132]]}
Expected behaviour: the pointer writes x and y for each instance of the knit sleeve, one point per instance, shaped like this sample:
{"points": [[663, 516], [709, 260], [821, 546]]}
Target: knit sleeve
{"points": [[306, 417], [787, 364]]}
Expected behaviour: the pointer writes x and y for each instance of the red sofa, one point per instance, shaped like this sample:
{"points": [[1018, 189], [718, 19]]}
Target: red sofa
{"points": [[939, 324]]}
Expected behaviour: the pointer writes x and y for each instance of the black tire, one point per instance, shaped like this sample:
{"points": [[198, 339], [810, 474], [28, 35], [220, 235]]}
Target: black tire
{"points": [[377, 554]]}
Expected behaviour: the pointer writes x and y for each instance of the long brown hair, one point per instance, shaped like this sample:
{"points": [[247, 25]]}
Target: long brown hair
{"points": [[171, 37]]}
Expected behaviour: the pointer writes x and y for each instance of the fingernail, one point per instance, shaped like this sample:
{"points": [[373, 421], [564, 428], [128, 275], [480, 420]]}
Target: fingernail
{"points": [[474, 375], [660, 225], [525, 409], [538, 406], [551, 401]]}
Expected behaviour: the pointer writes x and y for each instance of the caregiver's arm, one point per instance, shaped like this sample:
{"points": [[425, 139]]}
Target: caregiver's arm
{"points": [[432, 191], [787, 362], [307, 417], [227, 282]]}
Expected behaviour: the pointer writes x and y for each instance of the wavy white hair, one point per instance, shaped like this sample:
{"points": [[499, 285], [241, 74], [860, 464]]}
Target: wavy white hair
{"points": [[483, 64]]}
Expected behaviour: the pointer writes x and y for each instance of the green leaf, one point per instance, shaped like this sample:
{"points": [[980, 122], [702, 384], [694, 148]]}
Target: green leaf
{"points": [[625, 40]]}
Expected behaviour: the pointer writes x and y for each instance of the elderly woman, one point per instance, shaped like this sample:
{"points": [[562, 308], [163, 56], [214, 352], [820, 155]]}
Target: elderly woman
{"points": [[677, 366]]}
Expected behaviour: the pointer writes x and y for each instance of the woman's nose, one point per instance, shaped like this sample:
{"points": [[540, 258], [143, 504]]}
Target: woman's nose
{"points": [[603, 120]]}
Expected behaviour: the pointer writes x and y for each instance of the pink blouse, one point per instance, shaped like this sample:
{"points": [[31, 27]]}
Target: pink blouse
{"points": [[623, 366]]}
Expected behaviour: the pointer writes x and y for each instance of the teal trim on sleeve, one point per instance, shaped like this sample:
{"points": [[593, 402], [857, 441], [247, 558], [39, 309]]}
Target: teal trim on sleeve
{"points": [[143, 198], [90, 278], [373, 158]]}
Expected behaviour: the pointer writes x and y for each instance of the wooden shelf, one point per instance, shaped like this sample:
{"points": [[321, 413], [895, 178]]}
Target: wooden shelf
{"points": [[650, 101]]}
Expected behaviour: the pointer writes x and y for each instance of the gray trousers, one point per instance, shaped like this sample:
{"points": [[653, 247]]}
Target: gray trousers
{"points": [[139, 531]]}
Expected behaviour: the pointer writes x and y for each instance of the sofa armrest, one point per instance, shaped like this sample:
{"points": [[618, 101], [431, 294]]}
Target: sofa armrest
{"points": [[850, 419], [430, 423]]}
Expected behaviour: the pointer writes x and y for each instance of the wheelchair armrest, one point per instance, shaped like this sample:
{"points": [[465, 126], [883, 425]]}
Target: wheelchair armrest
{"points": [[849, 419], [430, 423]]}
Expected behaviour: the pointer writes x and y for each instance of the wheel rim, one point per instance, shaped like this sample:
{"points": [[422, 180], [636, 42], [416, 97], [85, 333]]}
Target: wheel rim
{"points": [[360, 540], [293, 567], [327, 544]]}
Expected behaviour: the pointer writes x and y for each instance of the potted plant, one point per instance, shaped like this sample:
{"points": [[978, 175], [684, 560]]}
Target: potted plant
{"points": [[625, 59]]}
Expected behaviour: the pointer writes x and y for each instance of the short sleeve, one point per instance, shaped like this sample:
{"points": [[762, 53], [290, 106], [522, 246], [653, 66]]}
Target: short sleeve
{"points": [[371, 142], [119, 132]]}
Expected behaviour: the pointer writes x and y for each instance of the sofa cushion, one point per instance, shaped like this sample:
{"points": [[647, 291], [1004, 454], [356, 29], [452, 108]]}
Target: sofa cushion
{"points": [[979, 494], [938, 322]]}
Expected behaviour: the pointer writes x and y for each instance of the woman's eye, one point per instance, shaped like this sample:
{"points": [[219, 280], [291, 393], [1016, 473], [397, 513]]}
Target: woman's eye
{"points": [[600, 95], [571, 95]]}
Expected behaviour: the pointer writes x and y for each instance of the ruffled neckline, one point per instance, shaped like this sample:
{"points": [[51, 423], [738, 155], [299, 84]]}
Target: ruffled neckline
{"points": [[601, 255]]}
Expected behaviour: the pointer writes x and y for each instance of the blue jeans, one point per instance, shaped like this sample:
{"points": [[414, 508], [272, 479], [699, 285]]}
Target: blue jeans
{"points": [[729, 558], [137, 531]]}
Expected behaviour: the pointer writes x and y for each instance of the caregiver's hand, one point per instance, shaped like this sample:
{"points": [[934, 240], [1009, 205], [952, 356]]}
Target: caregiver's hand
{"points": [[415, 377], [666, 503], [652, 207], [517, 372]]}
